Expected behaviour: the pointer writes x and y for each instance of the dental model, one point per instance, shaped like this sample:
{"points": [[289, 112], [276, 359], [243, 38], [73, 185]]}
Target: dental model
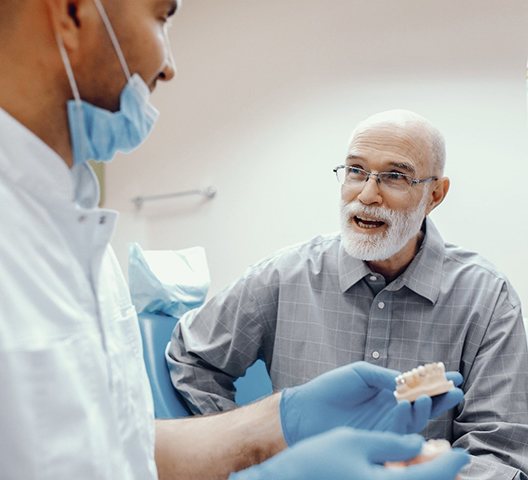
{"points": [[427, 379], [430, 450]]}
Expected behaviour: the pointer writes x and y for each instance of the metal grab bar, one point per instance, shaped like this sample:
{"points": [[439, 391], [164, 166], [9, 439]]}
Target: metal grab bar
{"points": [[139, 201]]}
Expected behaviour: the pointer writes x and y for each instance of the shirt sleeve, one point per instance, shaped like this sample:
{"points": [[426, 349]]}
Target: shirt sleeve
{"points": [[492, 423], [213, 346]]}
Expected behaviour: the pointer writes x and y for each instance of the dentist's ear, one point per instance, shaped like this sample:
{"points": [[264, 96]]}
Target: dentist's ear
{"points": [[438, 193], [68, 17]]}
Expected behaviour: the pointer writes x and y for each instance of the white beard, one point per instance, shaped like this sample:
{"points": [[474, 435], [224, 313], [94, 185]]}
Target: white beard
{"points": [[401, 227]]}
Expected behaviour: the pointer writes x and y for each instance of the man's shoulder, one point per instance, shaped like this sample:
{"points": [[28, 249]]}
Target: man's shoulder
{"points": [[313, 249], [14, 214], [472, 269], [472, 261], [313, 255], [317, 245], [22, 218]]}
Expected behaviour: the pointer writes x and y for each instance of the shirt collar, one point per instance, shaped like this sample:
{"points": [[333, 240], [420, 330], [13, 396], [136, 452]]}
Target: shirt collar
{"points": [[34, 167], [351, 270], [423, 275]]}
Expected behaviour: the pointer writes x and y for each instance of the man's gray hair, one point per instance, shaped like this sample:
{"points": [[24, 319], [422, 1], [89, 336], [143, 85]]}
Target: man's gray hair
{"points": [[405, 119], [438, 150]]}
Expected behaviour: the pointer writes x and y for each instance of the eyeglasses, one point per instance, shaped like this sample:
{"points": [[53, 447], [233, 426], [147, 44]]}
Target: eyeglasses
{"points": [[395, 181]]}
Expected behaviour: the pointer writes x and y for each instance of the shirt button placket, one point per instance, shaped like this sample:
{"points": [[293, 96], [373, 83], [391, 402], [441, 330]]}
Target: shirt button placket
{"points": [[376, 345]]}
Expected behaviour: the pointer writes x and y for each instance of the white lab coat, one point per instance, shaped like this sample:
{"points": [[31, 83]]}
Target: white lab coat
{"points": [[74, 396]]}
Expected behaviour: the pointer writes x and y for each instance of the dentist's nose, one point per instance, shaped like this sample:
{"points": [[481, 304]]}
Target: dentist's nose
{"points": [[168, 71]]}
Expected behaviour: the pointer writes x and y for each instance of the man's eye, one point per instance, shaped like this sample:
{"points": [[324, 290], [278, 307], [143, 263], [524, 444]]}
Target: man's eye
{"points": [[354, 170], [395, 176]]}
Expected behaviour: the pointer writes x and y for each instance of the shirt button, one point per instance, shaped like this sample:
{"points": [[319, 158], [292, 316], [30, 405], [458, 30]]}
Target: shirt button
{"points": [[375, 355], [373, 278], [381, 305]]}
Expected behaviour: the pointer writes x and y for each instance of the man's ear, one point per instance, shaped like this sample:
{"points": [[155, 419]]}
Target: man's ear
{"points": [[66, 19], [438, 194]]}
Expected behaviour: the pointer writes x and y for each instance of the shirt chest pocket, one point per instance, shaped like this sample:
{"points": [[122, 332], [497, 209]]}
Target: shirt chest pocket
{"points": [[54, 407]]}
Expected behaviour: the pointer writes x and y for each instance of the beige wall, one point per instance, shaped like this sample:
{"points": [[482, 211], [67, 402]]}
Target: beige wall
{"points": [[268, 91]]}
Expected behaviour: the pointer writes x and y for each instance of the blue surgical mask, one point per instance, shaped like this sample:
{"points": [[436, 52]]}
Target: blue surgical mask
{"points": [[97, 133]]}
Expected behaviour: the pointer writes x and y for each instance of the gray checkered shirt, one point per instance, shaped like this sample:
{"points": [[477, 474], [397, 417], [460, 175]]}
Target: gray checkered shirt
{"points": [[311, 308]]}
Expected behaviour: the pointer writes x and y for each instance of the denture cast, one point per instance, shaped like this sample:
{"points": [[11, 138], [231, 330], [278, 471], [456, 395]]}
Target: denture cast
{"points": [[426, 379]]}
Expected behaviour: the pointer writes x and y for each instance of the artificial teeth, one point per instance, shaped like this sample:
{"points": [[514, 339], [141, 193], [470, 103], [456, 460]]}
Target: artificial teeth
{"points": [[426, 379]]}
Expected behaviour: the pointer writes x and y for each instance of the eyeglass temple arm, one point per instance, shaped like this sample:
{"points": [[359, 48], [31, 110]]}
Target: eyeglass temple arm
{"points": [[423, 180]]}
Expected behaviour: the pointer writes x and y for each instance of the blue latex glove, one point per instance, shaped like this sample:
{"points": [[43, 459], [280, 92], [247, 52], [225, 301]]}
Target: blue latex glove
{"points": [[346, 454], [358, 395]]}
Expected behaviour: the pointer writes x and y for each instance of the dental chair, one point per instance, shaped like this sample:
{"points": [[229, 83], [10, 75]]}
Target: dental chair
{"points": [[156, 332]]}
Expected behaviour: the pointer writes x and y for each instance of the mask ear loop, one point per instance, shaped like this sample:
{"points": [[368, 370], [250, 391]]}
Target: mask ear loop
{"points": [[113, 38], [69, 70], [76, 96]]}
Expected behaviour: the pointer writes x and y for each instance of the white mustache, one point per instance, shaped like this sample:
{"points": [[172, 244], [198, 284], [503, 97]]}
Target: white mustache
{"points": [[402, 225], [378, 213]]}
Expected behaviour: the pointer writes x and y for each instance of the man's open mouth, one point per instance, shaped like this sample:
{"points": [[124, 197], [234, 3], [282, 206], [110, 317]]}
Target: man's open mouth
{"points": [[367, 222]]}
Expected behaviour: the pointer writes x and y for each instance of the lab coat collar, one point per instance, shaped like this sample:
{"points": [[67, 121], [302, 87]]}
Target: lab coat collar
{"points": [[34, 167]]}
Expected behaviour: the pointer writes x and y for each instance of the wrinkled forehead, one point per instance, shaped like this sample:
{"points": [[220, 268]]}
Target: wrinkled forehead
{"points": [[392, 142]]}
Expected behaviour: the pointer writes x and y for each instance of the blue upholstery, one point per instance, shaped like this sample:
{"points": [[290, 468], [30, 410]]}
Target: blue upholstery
{"points": [[156, 331], [253, 385]]}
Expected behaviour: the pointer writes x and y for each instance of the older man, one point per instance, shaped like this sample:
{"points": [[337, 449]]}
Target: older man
{"points": [[387, 290]]}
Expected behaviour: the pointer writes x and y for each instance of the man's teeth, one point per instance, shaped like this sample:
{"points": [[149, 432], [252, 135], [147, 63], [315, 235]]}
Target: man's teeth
{"points": [[365, 223]]}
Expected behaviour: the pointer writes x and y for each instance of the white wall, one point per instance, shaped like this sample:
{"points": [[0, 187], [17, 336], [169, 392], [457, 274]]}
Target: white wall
{"points": [[268, 91]]}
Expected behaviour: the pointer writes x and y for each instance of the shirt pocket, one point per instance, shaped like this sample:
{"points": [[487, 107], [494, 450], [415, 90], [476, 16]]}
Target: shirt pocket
{"points": [[52, 414]]}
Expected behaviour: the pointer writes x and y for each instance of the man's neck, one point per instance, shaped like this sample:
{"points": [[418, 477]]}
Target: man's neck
{"points": [[394, 266], [35, 98]]}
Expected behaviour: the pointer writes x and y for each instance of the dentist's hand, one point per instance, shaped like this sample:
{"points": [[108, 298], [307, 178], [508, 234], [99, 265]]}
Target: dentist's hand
{"points": [[345, 454], [359, 395]]}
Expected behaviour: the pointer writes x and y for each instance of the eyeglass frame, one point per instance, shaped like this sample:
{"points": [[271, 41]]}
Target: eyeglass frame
{"points": [[411, 180]]}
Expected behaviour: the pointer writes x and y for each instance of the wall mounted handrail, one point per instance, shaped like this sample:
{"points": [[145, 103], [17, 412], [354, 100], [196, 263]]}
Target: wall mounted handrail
{"points": [[208, 192]]}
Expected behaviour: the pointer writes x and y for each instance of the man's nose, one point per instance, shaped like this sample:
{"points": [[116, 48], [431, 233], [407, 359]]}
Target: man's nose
{"points": [[370, 192], [169, 65], [168, 71]]}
